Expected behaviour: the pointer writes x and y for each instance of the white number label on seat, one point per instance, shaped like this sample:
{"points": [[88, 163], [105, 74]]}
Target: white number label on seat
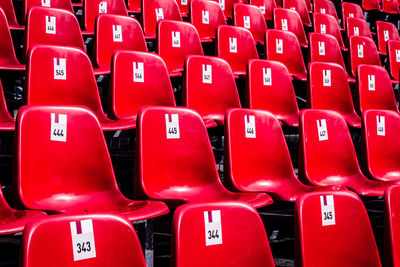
{"points": [[321, 48], [207, 73], [103, 7], [284, 24], [262, 8], [232, 45], [184, 2], [222, 4], [50, 25], [83, 239], [323, 28], [246, 22], [138, 72], [326, 77], [250, 126], [205, 16], [117, 33], [279, 46], [322, 130], [45, 3], [380, 125], [360, 49], [267, 78], [327, 210], [322, 10], [371, 82], [386, 35], [60, 68], [351, 15], [292, 8], [172, 126], [58, 131], [212, 227], [176, 39], [159, 13], [356, 31], [397, 55]]}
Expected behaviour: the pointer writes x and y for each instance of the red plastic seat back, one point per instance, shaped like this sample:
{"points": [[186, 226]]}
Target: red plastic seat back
{"points": [[175, 41], [248, 130], [327, 24], [67, 156], [7, 53], [381, 148], [265, 6], [8, 8], [363, 51], [59, 4], [155, 10], [53, 27], [371, 5], [327, 152], [209, 86], [236, 45], [61, 76], [270, 87], [115, 32], [394, 58], [194, 223], [386, 31], [138, 79], [329, 89], [300, 6], [392, 245], [206, 16], [284, 47], [92, 8], [351, 10], [107, 238], [375, 88], [289, 20], [333, 229], [357, 27], [227, 6], [251, 18], [390, 6], [325, 48], [4, 114], [326, 7]]}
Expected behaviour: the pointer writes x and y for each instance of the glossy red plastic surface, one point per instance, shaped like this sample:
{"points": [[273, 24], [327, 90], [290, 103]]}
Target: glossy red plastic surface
{"points": [[266, 7], [210, 98], [378, 94], [381, 151], [257, 25], [174, 54], [244, 241], [7, 123], [349, 242], [332, 161], [183, 7], [67, 29], [289, 20], [131, 37], [180, 170], [325, 48], [92, 8], [357, 27], [71, 179], [43, 89], [351, 10], [115, 242], [391, 227], [390, 6], [227, 6], [208, 29], [291, 55], [277, 96], [369, 56], [245, 47], [168, 8], [371, 5], [58, 4], [134, 6], [251, 169], [334, 94], [386, 31], [394, 59], [8, 8], [128, 95], [325, 7], [300, 6], [328, 25]]}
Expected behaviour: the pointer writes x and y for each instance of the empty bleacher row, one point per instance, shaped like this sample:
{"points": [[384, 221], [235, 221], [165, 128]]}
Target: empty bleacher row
{"points": [[233, 111]]}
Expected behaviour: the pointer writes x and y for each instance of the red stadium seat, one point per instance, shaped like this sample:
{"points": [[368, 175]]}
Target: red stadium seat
{"points": [[284, 47], [390, 6], [236, 45], [289, 20], [53, 75], [92, 8], [175, 41], [58, 4], [362, 51], [375, 88], [7, 123], [227, 7], [134, 6], [138, 79], [260, 170], [270, 87], [8, 8], [214, 234], [328, 25], [381, 149], [351, 10], [327, 155], [266, 7], [391, 228], [333, 229], [329, 89], [206, 16], [155, 10], [370, 5], [300, 6], [325, 7], [251, 18], [105, 239], [394, 58], [209, 88], [386, 31], [68, 157], [175, 162], [115, 32], [357, 27]]}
